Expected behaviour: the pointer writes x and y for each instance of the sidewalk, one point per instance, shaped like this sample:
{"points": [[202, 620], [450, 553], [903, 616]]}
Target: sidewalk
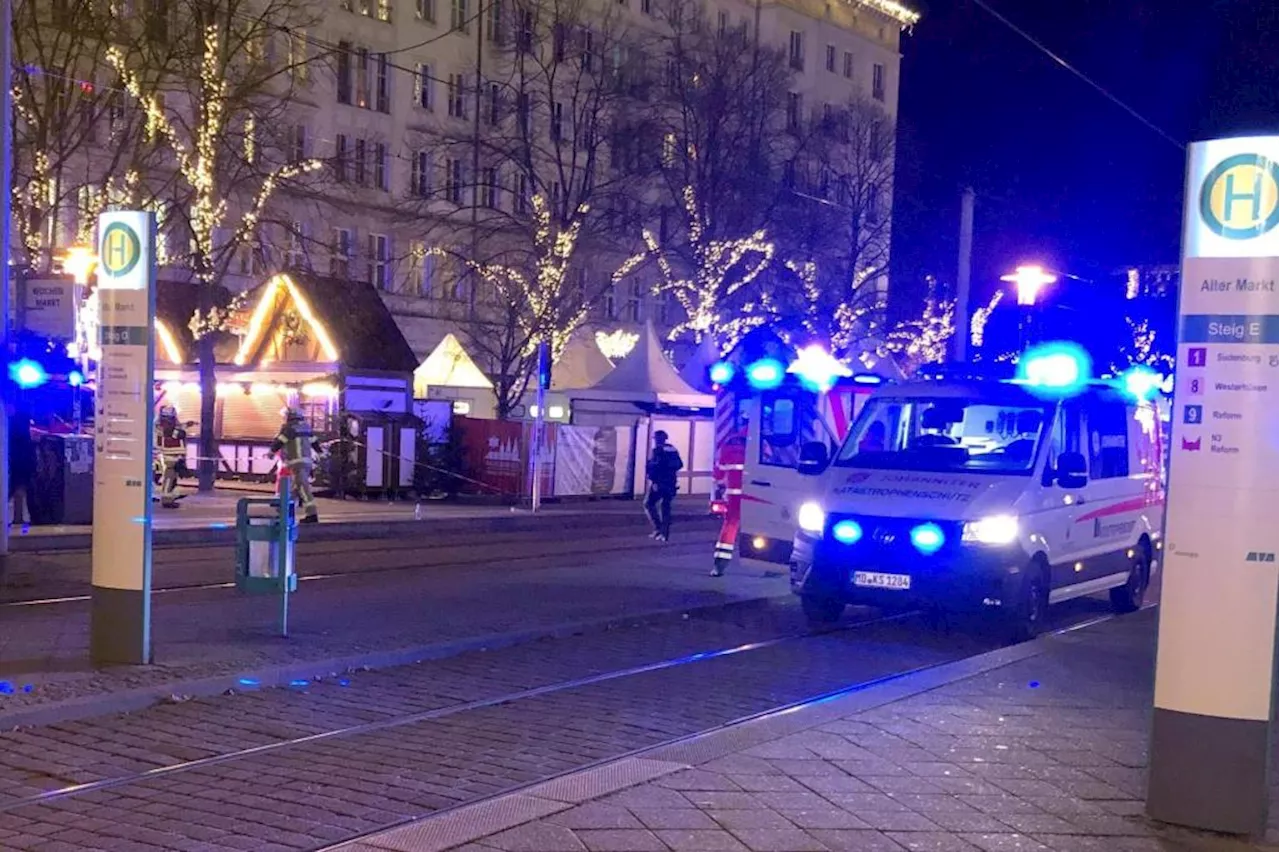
{"points": [[210, 519], [1035, 748]]}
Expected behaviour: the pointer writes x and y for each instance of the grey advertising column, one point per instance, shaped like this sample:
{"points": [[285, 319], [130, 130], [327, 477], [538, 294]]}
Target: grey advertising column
{"points": [[120, 608], [1215, 664]]}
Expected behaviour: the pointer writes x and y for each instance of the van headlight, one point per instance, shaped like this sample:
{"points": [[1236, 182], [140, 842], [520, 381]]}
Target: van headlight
{"points": [[812, 518], [996, 529]]}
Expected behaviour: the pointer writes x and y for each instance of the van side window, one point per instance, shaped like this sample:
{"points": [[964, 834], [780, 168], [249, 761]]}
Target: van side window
{"points": [[1064, 437], [779, 445], [1108, 441]]}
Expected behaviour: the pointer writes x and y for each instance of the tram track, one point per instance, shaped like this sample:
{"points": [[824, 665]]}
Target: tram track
{"points": [[429, 760], [592, 549]]}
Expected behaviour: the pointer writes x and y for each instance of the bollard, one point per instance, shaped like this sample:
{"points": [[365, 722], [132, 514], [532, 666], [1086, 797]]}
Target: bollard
{"points": [[266, 529]]}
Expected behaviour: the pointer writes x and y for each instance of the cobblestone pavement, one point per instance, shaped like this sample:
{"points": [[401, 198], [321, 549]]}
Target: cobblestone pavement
{"points": [[200, 634], [1046, 754], [314, 793]]}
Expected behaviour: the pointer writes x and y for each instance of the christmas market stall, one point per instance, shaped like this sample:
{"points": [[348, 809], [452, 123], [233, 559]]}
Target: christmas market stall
{"points": [[328, 347]]}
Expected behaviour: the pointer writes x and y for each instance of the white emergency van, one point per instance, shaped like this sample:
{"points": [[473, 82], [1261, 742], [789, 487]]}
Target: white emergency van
{"points": [[971, 494]]}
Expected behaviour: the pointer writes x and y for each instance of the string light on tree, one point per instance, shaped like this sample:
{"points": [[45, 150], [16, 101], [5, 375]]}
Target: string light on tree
{"points": [[978, 322]]}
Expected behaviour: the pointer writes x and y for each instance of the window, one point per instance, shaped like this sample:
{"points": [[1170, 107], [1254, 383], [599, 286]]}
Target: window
{"points": [[299, 56], [646, 6], [524, 31], [426, 277], [493, 22], [453, 180], [559, 42], [295, 253], [341, 154], [381, 166], [635, 296], [298, 147], [557, 120], [779, 446], [587, 41], [384, 11], [362, 77], [795, 107], [848, 65], [520, 196], [379, 266], [873, 205], [361, 162], [669, 150], [458, 18], [426, 11], [610, 306], [489, 188], [340, 253], [344, 72], [831, 58], [384, 84], [424, 94], [795, 52], [522, 112], [420, 174], [457, 96], [1108, 429], [877, 81], [247, 256], [495, 103], [722, 23]]}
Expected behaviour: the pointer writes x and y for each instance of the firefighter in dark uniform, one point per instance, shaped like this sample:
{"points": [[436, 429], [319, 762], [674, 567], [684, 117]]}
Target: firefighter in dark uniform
{"points": [[171, 454], [664, 464], [297, 448]]}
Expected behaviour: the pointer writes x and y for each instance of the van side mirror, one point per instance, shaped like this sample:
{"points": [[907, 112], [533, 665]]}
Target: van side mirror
{"points": [[1071, 470], [813, 458]]}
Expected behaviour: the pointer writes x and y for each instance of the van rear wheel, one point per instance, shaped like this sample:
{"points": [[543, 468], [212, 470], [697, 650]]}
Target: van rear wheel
{"points": [[1128, 598], [821, 612]]}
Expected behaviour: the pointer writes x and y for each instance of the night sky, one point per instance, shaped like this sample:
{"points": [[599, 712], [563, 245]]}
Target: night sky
{"points": [[1062, 176]]}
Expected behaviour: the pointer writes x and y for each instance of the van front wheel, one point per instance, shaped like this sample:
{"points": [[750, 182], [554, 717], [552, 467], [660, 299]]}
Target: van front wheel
{"points": [[821, 612], [1128, 598], [1027, 618]]}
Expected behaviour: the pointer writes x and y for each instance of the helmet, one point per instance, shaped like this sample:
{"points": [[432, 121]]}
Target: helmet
{"points": [[168, 412], [293, 415]]}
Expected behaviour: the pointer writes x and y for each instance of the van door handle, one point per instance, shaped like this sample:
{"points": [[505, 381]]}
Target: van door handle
{"points": [[762, 482]]}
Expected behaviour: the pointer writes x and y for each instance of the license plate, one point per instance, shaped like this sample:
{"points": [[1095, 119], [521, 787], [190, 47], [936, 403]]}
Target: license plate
{"points": [[876, 580]]}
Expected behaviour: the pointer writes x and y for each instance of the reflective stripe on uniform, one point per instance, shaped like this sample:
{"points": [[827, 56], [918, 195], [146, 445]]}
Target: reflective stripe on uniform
{"points": [[733, 492]]}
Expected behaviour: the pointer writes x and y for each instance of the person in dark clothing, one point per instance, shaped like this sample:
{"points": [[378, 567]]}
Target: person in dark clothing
{"points": [[22, 464], [663, 465]]}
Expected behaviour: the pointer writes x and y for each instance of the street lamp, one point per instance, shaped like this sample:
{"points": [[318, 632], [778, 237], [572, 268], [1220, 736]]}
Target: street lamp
{"points": [[1027, 283], [78, 262]]}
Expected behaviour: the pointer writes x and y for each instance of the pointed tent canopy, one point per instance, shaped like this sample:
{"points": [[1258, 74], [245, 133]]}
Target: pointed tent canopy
{"points": [[448, 365], [646, 376], [581, 365], [697, 373]]}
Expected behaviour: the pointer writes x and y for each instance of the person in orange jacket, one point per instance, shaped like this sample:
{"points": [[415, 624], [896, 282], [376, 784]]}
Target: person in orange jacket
{"points": [[731, 468]]}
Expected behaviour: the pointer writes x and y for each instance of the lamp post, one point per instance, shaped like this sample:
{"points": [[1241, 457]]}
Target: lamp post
{"points": [[1027, 283]]}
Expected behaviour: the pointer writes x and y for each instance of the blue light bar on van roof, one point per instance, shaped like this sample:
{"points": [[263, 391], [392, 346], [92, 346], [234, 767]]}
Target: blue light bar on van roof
{"points": [[1141, 382], [1054, 369], [765, 374], [818, 368], [868, 379]]}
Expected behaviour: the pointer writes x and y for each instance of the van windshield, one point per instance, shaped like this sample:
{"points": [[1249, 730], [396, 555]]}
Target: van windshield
{"points": [[951, 434]]}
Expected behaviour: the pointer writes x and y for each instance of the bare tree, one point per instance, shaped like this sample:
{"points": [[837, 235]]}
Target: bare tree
{"points": [[222, 105], [533, 173]]}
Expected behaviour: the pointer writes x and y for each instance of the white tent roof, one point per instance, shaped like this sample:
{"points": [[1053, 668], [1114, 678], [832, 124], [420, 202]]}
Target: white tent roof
{"points": [[647, 376], [450, 366], [697, 372], [581, 365]]}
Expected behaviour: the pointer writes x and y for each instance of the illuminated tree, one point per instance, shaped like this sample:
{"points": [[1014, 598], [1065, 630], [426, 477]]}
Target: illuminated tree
{"points": [[923, 339], [221, 113]]}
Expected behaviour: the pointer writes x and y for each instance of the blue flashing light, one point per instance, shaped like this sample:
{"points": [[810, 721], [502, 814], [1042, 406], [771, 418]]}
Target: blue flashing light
{"points": [[1055, 369], [300, 683], [1035, 684], [28, 688], [249, 682], [766, 374], [817, 368], [847, 532], [1142, 382], [721, 373], [928, 538], [6, 688], [75, 378], [867, 379], [27, 373]]}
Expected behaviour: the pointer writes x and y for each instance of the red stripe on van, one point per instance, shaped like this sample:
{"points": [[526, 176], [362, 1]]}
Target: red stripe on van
{"points": [[1135, 504]]}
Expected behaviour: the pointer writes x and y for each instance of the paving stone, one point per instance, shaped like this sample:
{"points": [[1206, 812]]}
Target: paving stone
{"points": [[769, 783], [778, 840], [595, 815], [838, 840], [620, 840], [1006, 843], [674, 818], [824, 818], [759, 818], [927, 841], [536, 837], [700, 841], [897, 821]]}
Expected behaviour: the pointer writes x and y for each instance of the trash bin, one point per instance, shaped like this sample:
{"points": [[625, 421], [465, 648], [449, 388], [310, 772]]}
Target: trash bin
{"points": [[62, 490]]}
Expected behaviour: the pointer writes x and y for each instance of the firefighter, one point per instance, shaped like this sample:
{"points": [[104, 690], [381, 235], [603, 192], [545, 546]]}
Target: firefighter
{"points": [[171, 454], [297, 448], [730, 470], [662, 469]]}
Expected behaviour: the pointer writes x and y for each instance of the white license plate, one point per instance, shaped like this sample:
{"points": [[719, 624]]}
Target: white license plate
{"points": [[876, 580]]}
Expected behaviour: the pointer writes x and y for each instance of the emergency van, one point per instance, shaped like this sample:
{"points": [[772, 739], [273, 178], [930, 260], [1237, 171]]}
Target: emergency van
{"points": [[971, 494]]}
